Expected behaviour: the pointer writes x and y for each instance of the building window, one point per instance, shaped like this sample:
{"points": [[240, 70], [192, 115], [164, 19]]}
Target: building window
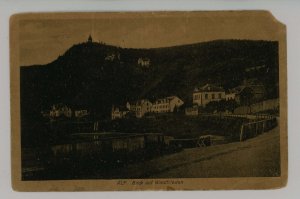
{"points": [[220, 95], [206, 96], [213, 96]]}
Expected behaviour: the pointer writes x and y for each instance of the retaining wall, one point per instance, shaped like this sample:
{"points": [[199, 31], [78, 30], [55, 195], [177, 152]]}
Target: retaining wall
{"points": [[252, 129], [271, 104]]}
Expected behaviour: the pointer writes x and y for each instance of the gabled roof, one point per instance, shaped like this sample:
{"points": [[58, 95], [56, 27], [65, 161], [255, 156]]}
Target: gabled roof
{"points": [[138, 102], [166, 99], [171, 97], [209, 88], [257, 89], [237, 89]]}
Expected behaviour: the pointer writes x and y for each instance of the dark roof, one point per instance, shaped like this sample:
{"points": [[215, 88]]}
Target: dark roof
{"points": [[257, 89], [138, 102], [171, 97], [209, 88], [237, 89], [164, 100]]}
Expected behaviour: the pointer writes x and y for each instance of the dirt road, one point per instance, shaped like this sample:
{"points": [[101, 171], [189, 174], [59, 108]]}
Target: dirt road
{"points": [[259, 156]]}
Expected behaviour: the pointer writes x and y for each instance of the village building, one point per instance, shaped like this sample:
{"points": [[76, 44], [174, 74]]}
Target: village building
{"points": [[208, 93], [230, 95], [59, 110], [131, 106], [79, 110], [118, 112], [168, 104], [246, 95], [62, 110], [140, 107], [81, 113], [113, 56], [250, 92], [145, 62]]}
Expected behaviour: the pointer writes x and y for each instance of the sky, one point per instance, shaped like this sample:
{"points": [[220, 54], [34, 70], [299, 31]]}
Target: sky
{"points": [[44, 37]]}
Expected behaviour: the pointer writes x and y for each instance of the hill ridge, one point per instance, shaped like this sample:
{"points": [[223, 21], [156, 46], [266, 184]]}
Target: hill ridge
{"points": [[86, 74]]}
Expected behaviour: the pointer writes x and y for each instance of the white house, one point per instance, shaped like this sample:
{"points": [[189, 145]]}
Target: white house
{"points": [[58, 110], [139, 107], [112, 57], [118, 112], [167, 104], [208, 93], [145, 62], [81, 113], [230, 95]]}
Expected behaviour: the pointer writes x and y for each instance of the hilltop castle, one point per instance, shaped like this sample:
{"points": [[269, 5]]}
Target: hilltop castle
{"points": [[90, 39]]}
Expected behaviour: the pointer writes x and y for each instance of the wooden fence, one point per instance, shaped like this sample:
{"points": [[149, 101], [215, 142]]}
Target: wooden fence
{"points": [[252, 129]]}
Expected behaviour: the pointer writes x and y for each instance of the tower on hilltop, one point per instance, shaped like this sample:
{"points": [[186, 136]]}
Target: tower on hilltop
{"points": [[90, 39]]}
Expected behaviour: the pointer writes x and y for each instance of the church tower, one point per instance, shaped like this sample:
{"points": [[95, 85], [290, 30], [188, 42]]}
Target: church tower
{"points": [[90, 39]]}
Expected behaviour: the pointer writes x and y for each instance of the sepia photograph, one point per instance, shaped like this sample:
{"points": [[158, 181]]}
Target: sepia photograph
{"points": [[149, 99]]}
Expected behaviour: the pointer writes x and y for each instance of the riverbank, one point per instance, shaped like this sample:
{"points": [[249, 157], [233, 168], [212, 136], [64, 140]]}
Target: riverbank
{"points": [[256, 157]]}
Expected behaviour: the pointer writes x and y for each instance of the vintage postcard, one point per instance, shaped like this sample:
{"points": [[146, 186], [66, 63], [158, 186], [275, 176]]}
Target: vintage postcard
{"points": [[148, 101]]}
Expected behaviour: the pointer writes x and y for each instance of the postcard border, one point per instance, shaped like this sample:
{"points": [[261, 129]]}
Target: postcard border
{"points": [[112, 185]]}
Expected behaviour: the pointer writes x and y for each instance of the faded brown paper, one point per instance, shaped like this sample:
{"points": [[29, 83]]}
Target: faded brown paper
{"points": [[56, 32]]}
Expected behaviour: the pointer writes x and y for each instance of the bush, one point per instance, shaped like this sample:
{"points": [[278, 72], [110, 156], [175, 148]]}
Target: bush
{"points": [[220, 106]]}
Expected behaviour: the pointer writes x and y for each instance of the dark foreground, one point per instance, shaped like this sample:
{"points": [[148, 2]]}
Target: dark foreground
{"points": [[256, 157]]}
